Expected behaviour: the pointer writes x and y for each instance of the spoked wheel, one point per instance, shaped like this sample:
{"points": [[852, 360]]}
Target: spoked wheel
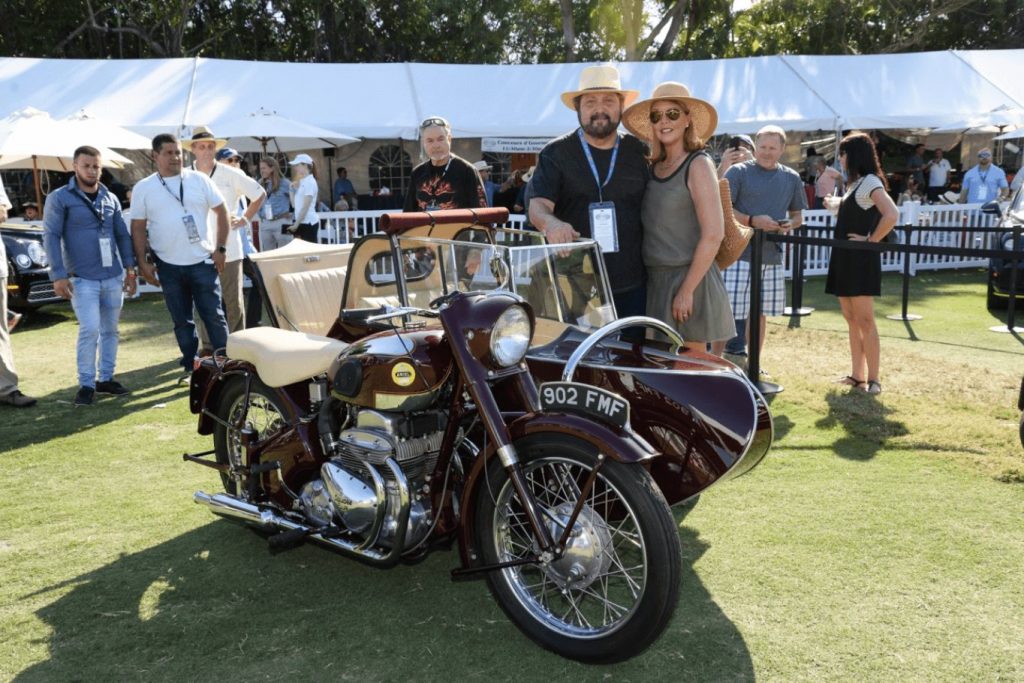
{"points": [[613, 591], [265, 416]]}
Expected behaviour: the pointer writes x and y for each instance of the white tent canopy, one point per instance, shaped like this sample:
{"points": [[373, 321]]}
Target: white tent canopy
{"points": [[799, 93]]}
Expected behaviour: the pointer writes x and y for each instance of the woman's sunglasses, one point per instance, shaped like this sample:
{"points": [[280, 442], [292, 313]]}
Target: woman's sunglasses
{"points": [[672, 114]]}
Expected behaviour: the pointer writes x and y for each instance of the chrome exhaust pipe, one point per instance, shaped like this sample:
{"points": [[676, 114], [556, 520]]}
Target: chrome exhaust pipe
{"points": [[233, 508]]}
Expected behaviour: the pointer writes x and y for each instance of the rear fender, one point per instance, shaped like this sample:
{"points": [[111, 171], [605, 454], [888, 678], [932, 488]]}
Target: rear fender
{"points": [[617, 444], [207, 383]]}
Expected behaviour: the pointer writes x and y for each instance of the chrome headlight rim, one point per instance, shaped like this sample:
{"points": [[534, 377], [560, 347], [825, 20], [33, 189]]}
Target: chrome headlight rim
{"points": [[511, 336], [36, 252]]}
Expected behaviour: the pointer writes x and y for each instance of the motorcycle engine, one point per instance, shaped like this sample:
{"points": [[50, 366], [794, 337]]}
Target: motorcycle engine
{"points": [[347, 491]]}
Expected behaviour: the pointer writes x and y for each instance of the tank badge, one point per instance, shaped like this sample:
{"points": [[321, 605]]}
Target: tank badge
{"points": [[403, 374]]}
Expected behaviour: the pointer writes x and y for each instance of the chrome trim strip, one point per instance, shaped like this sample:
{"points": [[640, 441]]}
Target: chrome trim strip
{"points": [[598, 335]]}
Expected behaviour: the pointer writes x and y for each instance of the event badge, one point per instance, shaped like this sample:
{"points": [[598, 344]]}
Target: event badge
{"points": [[191, 228], [106, 255], [602, 226], [982, 192]]}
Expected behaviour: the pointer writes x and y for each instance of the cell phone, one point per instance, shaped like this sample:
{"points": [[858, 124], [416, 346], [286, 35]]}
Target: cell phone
{"points": [[735, 142], [784, 222]]}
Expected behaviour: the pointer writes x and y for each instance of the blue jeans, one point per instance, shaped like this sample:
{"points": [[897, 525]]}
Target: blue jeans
{"points": [[738, 344], [187, 286], [97, 305]]}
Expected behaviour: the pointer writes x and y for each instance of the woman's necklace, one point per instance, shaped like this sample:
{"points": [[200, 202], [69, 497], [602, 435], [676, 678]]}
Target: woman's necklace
{"points": [[668, 166]]}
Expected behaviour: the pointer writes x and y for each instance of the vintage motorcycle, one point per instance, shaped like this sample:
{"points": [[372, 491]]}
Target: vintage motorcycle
{"points": [[401, 412]]}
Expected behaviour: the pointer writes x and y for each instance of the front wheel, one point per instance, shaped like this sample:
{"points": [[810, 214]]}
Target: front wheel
{"points": [[613, 591], [265, 415]]}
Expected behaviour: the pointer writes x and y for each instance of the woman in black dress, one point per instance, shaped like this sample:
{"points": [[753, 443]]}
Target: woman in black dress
{"points": [[866, 214]]}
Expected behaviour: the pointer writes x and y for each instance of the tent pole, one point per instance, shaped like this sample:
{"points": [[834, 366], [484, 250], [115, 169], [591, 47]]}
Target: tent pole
{"points": [[188, 100], [39, 190]]}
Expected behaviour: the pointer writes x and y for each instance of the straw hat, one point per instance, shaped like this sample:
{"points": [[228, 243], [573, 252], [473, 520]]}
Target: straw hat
{"points": [[200, 133], [604, 78], [703, 116]]}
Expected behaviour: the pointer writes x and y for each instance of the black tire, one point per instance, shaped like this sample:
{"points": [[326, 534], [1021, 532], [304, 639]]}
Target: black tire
{"points": [[266, 412], [993, 302], [630, 560]]}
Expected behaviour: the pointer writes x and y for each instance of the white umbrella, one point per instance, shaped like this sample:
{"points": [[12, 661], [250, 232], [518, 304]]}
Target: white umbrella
{"points": [[256, 131], [30, 138]]}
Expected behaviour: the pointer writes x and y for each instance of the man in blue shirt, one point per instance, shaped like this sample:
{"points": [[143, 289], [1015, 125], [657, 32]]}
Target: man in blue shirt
{"points": [[343, 187], [92, 264], [984, 182]]}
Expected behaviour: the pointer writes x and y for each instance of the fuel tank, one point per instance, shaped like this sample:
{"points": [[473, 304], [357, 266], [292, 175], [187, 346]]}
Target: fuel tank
{"points": [[393, 370]]}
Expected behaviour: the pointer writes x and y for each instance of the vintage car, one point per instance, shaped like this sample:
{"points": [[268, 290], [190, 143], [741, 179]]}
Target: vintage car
{"points": [[28, 283], [697, 409], [998, 294]]}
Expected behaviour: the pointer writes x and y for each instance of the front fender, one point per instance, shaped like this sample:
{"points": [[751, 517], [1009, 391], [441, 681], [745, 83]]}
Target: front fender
{"points": [[205, 387], [617, 444]]}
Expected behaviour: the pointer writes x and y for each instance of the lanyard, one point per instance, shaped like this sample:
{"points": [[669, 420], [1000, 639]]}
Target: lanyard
{"points": [[92, 207], [181, 189], [593, 166]]}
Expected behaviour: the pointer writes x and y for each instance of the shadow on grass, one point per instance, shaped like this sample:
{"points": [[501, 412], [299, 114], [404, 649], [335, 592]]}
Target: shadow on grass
{"points": [[864, 418], [55, 414], [214, 604]]}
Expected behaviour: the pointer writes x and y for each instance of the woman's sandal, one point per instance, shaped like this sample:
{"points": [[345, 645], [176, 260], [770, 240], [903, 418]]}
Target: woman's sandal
{"points": [[850, 381], [873, 387]]}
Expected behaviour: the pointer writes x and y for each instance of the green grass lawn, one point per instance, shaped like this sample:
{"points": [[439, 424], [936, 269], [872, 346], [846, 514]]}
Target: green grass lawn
{"points": [[880, 540]]}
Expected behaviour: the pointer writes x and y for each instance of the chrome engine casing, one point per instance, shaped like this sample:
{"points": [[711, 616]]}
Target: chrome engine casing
{"points": [[357, 488]]}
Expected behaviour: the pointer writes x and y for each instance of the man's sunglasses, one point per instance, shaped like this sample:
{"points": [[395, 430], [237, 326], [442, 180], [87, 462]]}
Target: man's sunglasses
{"points": [[672, 114], [433, 121]]}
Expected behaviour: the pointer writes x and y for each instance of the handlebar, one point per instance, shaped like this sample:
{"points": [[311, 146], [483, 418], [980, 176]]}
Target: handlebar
{"points": [[397, 311]]}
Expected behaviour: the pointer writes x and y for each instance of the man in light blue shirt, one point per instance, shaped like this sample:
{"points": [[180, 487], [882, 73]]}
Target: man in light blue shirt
{"points": [[92, 264], [984, 182]]}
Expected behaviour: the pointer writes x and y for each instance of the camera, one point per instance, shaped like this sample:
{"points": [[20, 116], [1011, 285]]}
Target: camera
{"points": [[735, 142]]}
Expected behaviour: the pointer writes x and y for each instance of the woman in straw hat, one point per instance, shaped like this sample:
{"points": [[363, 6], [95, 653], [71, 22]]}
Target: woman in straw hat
{"points": [[682, 216]]}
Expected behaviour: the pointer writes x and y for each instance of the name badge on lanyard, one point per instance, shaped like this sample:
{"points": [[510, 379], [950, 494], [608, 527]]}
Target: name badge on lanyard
{"points": [[106, 254], [191, 229], [603, 226]]}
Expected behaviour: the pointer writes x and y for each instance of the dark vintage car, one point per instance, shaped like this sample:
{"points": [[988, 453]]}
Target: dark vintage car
{"points": [[28, 283], [999, 269]]}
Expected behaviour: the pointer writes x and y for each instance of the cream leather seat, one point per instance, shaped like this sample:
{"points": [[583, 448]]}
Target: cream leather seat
{"points": [[282, 357]]}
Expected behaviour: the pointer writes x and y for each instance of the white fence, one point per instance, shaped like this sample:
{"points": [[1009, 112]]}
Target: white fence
{"points": [[818, 223], [341, 227]]}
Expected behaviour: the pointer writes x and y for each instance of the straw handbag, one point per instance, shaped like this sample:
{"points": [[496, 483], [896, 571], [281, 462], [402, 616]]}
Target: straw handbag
{"points": [[736, 237]]}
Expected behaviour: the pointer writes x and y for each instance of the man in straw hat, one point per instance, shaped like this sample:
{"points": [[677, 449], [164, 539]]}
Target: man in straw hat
{"points": [[233, 185], [590, 183], [765, 196]]}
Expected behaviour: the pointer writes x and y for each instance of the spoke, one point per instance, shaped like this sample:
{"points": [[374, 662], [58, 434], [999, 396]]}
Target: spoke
{"points": [[582, 619], [606, 603]]}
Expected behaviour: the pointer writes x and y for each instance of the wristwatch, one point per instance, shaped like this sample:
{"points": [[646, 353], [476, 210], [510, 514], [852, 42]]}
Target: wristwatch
{"points": [[222, 249]]}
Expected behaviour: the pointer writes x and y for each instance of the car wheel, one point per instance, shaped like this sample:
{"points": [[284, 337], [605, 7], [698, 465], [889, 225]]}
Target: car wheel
{"points": [[992, 301]]}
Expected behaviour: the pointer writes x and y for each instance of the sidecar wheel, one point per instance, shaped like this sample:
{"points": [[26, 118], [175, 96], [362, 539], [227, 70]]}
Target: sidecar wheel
{"points": [[265, 415], [615, 588]]}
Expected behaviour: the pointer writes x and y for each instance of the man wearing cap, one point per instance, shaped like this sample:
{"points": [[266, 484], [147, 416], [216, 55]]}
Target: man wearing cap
{"points": [[233, 186], [30, 213], [445, 180], [9, 393], [984, 182], [92, 264], [938, 175], [765, 196], [171, 212], [490, 187], [590, 183]]}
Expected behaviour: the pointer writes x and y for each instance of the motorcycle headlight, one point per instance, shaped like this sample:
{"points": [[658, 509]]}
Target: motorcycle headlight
{"points": [[36, 253], [510, 337], [1008, 243]]}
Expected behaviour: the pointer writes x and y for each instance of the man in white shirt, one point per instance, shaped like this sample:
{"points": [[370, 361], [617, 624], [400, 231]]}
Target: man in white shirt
{"points": [[171, 212], [938, 175], [233, 185]]}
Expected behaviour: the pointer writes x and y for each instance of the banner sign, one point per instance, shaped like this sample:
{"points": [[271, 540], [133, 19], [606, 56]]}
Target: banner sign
{"points": [[513, 145]]}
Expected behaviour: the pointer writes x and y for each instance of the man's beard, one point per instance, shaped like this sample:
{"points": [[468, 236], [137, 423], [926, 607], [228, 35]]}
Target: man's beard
{"points": [[84, 182], [600, 126]]}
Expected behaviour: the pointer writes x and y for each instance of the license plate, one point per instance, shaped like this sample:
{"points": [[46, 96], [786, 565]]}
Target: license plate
{"points": [[571, 397]]}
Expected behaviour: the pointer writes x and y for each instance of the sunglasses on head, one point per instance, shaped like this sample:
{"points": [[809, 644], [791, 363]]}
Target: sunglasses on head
{"points": [[984, 156], [672, 114], [433, 121]]}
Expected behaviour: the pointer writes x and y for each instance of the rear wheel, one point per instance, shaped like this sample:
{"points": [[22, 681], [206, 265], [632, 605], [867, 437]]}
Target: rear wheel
{"points": [[266, 414], [613, 591]]}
